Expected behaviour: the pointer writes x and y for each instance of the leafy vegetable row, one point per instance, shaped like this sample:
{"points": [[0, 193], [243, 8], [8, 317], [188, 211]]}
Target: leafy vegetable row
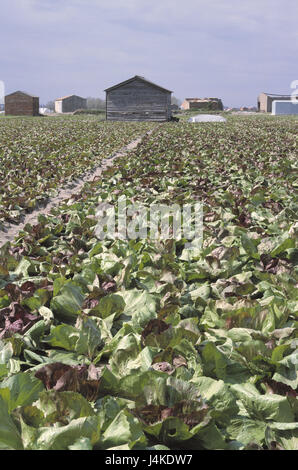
{"points": [[41, 155]]}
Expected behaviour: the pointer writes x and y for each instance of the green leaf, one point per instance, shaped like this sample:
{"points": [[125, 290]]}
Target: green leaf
{"points": [[209, 437], [265, 407], [140, 306], [250, 246], [60, 438], [68, 303], [127, 350], [284, 434], [281, 244], [63, 407], [170, 431], [124, 429], [214, 362], [247, 431], [63, 336], [287, 371], [219, 397], [23, 390], [89, 337], [109, 305], [10, 438]]}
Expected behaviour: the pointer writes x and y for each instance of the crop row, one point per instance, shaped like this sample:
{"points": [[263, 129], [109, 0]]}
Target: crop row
{"points": [[37, 156]]}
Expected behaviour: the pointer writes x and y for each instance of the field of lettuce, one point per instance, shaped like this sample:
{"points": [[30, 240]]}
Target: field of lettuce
{"points": [[142, 344], [37, 156]]}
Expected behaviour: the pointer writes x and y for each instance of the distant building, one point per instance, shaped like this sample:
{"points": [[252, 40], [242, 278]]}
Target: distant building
{"points": [[248, 108], [138, 99], [265, 101], [20, 103], [69, 104], [208, 104], [174, 107]]}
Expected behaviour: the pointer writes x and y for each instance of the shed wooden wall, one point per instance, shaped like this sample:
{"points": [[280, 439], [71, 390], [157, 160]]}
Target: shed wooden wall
{"points": [[19, 104], [138, 101], [73, 103], [70, 104]]}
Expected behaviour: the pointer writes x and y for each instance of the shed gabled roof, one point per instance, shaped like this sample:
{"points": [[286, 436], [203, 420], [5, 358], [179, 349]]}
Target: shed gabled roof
{"points": [[272, 95], [23, 93], [69, 96], [137, 77]]}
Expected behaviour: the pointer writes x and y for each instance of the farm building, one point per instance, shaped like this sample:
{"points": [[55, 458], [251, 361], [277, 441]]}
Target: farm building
{"points": [[265, 101], [138, 99], [20, 103], [69, 104], [208, 104]]}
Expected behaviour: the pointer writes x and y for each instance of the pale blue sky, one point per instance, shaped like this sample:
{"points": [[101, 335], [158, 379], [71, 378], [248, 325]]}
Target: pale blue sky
{"points": [[231, 49]]}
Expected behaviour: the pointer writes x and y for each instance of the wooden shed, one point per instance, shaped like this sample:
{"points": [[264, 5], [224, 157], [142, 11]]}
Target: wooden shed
{"points": [[138, 99], [20, 103], [70, 103]]}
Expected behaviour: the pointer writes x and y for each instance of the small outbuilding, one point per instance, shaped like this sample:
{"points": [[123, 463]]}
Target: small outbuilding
{"points": [[138, 99], [20, 103], [204, 104], [70, 103], [265, 101]]}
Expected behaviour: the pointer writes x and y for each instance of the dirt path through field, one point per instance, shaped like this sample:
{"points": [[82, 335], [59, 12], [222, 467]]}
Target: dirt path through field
{"points": [[10, 231]]}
